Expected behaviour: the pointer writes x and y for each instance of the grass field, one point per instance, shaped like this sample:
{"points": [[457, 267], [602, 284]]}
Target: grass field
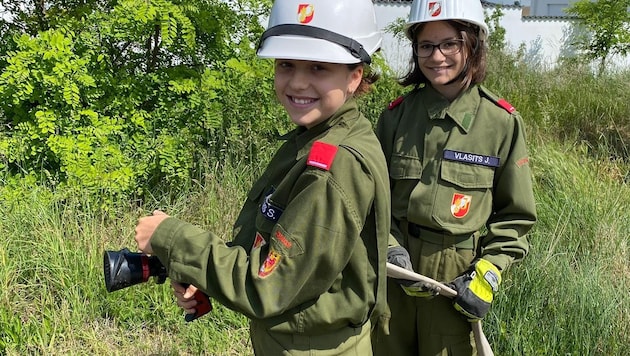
{"points": [[568, 297]]}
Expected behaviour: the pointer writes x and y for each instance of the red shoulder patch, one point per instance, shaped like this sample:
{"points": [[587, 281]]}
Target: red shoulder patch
{"points": [[396, 102], [321, 155], [507, 106]]}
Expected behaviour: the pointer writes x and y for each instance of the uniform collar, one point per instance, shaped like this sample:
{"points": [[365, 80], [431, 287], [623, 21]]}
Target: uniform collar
{"points": [[348, 111], [302, 138], [462, 110]]}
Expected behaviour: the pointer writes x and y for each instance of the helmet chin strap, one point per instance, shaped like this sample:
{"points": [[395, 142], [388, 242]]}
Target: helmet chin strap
{"points": [[354, 47]]}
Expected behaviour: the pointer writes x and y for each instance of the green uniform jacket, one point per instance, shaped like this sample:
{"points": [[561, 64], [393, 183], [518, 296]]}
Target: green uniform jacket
{"points": [[310, 243], [457, 167]]}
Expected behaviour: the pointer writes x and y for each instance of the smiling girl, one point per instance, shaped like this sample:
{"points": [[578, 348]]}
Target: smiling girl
{"points": [[307, 260], [462, 198]]}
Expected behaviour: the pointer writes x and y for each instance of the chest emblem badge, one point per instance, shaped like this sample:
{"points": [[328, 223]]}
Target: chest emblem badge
{"points": [[460, 205], [270, 263]]}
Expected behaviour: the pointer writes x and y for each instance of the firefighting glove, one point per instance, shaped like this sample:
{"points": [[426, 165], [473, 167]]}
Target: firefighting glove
{"points": [[398, 256], [475, 289]]}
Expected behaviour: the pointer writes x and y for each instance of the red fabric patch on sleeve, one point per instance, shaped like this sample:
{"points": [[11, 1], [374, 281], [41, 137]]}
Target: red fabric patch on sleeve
{"points": [[521, 162], [507, 106], [321, 155], [283, 239]]}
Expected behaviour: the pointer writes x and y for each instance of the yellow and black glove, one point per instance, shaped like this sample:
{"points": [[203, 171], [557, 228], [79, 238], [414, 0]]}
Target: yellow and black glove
{"points": [[475, 289], [399, 256]]}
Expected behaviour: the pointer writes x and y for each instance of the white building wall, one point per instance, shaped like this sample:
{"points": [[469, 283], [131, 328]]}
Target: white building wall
{"points": [[543, 39], [397, 52]]}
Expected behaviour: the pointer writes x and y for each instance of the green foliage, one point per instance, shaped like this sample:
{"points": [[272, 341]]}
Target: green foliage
{"points": [[607, 24], [397, 29], [496, 36], [567, 103], [116, 98], [382, 92], [43, 94], [251, 118]]}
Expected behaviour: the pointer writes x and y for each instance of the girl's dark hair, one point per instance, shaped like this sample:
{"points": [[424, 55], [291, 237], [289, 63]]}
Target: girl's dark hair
{"points": [[369, 77], [474, 50]]}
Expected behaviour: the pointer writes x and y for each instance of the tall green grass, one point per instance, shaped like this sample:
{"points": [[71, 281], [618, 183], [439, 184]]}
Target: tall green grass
{"points": [[53, 299], [568, 103], [568, 297]]}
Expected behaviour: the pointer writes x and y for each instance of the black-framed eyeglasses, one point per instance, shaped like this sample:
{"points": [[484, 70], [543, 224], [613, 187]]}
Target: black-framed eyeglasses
{"points": [[448, 48]]}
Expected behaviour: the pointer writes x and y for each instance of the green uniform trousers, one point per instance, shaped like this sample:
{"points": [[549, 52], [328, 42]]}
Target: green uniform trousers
{"points": [[344, 342], [428, 326]]}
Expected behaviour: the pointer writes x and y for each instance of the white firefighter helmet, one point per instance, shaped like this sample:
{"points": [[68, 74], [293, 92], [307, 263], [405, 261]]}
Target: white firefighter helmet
{"points": [[470, 11], [333, 31]]}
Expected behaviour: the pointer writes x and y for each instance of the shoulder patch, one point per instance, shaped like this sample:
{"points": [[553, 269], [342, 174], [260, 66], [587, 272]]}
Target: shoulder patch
{"points": [[396, 102], [505, 105], [322, 155], [502, 103]]}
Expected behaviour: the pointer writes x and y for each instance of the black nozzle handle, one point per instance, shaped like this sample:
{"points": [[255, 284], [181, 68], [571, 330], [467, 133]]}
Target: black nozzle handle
{"points": [[204, 306]]}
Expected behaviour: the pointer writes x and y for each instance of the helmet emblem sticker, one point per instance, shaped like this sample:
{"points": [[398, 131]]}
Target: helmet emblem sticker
{"points": [[435, 8], [460, 205], [305, 13]]}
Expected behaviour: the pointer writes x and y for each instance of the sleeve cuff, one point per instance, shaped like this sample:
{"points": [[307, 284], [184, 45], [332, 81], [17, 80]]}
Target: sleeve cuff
{"points": [[166, 238], [501, 261]]}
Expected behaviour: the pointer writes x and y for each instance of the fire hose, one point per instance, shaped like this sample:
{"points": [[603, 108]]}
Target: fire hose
{"points": [[483, 346]]}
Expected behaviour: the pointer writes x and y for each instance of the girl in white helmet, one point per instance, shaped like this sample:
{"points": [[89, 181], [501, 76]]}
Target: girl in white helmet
{"points": [[307, 261], [462, 198]]}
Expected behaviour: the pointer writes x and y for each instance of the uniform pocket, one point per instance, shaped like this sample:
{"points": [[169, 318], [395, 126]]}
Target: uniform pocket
{"points": [[405, 167], [467, 175], [463, 200]]}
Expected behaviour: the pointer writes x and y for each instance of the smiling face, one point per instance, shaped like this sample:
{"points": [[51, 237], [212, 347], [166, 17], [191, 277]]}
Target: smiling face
{"points": [[311, 92], [439, 69]]}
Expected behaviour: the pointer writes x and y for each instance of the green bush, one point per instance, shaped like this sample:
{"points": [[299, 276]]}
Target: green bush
{"points": [[115, 101]]}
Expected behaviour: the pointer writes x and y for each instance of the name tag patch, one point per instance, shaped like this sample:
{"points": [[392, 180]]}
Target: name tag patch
{"points": [[471, 158], [270, 211]]}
